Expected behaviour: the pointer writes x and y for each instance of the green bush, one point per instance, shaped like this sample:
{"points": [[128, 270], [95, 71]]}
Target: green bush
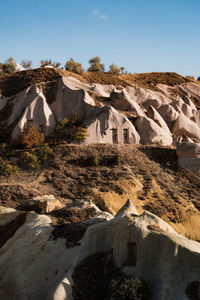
{"points": [[128, 288], [96, 65], [61, 126], [70, 131], [9, 66], [113, 69], [78, 134], [31, 159], [73, 66], [7, 169], [44, 152]]}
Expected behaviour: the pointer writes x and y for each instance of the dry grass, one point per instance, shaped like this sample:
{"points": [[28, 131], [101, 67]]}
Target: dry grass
{"points": [[149, 176], [11, 84]]}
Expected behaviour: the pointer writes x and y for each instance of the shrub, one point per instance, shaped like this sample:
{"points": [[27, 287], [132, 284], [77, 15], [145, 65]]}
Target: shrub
{"points": [[9, 66], [198, 78], [96, 65], [113, 69], [31, 160], [73, 66], [5, 149], [90, 160], [128, 288], [78, 134], [61, 128], [26, 64], [45, 62], [7, 169], [70, 130], [31, 137], [44, 152]]}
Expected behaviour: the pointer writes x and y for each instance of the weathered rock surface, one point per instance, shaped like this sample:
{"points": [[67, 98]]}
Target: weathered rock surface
{"points": [[34, 266], [185, 126], [151, 133], [110, 126], [189, 156], [171, 107]]}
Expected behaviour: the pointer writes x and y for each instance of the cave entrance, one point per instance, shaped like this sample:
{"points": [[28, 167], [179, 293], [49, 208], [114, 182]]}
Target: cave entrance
{"points": [[126, 136], [131, 254], [114, 136]]}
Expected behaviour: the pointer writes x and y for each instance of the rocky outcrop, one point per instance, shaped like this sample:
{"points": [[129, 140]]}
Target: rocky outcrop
{"points": [[172, 108], [142, 245], [185, 126], [110, 126], [124, 102], [189, 156], [151, 133]]}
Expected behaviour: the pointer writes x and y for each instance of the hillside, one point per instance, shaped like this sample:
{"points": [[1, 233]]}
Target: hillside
{"points": [[99, 186], [150, 177], [11, 84]]}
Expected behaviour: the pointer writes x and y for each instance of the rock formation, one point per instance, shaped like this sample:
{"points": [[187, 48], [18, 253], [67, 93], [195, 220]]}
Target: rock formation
{"points": [[34, 265]]}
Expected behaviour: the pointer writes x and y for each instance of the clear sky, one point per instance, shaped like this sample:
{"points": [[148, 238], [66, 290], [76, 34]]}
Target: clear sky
{"points": [[141, 35]]}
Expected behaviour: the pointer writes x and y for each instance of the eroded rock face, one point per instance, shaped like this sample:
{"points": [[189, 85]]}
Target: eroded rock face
{"points": [[151, 133], [189, 156], [110, 126], [35, 266], [171, 108], [185, 126]]}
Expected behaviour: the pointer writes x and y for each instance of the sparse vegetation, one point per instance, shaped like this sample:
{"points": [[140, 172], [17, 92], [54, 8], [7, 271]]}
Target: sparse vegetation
{"points": [[44, 152], [48, 62], [26, 64], [7, 169], [31, 160], [113, 69], [128, 288], [73, 66], [9, 66], [70, 131], [96, 65], [31, 137]]}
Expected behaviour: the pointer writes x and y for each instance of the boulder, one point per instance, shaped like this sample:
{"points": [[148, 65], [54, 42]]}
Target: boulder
{"points": [[151, 133], [185, 126], [42, 204]]}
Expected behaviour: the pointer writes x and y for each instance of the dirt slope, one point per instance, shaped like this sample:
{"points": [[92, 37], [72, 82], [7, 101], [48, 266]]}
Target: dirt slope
{"points": [[11, 84], [109, 174]]}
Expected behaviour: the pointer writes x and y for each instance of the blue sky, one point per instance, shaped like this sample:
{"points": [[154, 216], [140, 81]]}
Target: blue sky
{"points": [[141, 35]]}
